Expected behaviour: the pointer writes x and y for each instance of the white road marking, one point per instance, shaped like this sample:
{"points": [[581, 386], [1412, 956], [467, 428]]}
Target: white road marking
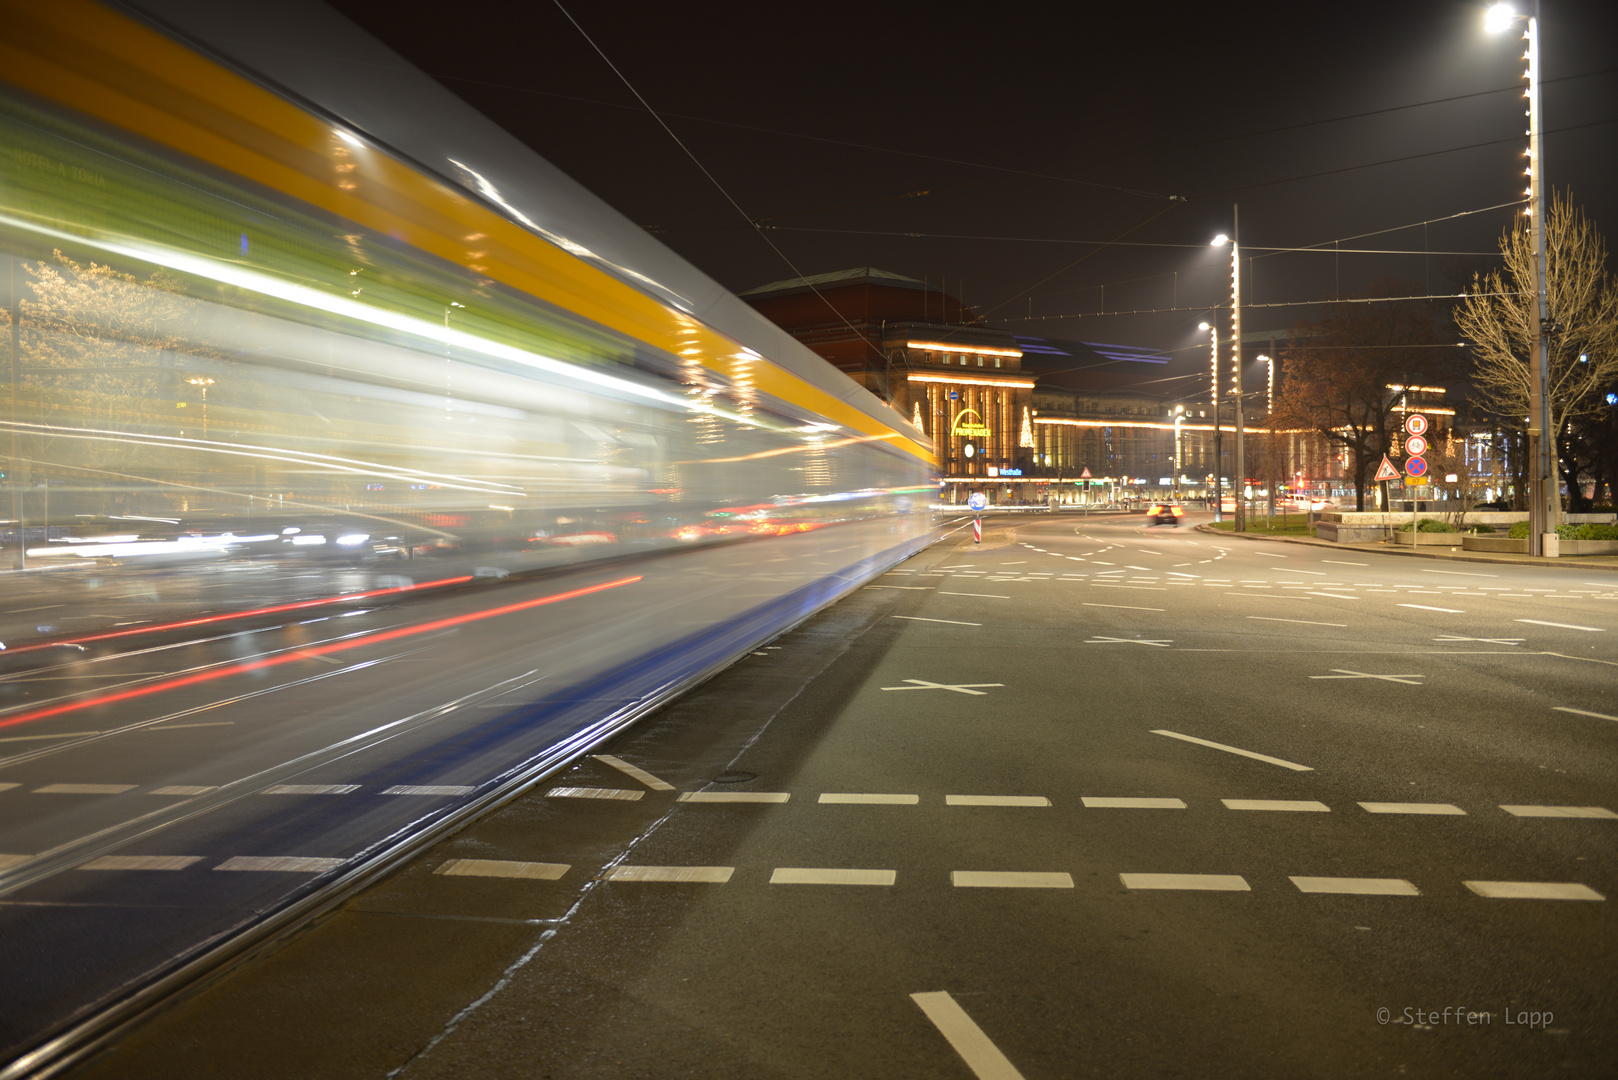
{"points": [[1334, 596], [8, 861], [1300, 622], [627, 795], [1101, 639], [1099, 802], [1143, 588], [1296, 805], [735, 796], [1269, 555], [1582, 712], [84, 789], [501, 868], [905, 588], [1174, 573], [855, 797], [182, 789], [177, 727], [1565, 626], [1123, 607], [1459, 573], [979, 595], [311, 789], [1316, 573], [996, 800], [799, 875], [1533, 890], [24, 610], [713, 875], [1413, 808], [634, 772], [1356, 886], [918, 618], [35, 738], [1234, 750], [284, 864], [141, 862], [1336, 562], [980, 1054], [1008, 879], [1344, 673], [430, 789], [959, 688], [1485, 640], [1204, 882], [1425, 607], [1560, 811]]}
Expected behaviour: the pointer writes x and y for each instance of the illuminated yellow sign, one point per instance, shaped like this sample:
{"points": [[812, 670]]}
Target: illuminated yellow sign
{"points": [[973, 428]]}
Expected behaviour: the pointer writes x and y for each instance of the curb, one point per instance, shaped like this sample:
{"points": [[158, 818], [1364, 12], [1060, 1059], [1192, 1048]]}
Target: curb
{"points": [[1414, 553]]}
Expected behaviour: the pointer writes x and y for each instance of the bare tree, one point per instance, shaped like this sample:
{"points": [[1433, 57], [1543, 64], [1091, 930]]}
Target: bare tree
{"points": [[1497, 318]]}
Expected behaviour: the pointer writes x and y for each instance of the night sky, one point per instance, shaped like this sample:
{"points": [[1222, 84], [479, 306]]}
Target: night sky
{"points": [[825, 118]]}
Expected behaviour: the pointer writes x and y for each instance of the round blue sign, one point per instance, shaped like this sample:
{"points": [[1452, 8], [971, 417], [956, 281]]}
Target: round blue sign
{"points": [[977, 500], [1416, 466]]}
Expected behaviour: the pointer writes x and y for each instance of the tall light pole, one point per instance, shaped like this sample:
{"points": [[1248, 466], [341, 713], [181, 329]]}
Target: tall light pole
{"points": [[1544, 505], [1179, 417], [1269, 439], [1236, 356], [1219, 437], [202, 382]]}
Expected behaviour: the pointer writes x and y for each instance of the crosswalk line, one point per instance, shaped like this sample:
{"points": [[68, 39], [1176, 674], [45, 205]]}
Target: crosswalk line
{"points": [[311, 789], [430, 789], [281, 864], [503, 868], [1203, 882], [1356, 886], [879, 799], [1412, 808], [713, 875], [800, 875], [1008, 879], [141, 862], [623, 794], [734, 796], [1533, 890], [996, 800], [1295, 805], [1559, 811], [1106, 803]]}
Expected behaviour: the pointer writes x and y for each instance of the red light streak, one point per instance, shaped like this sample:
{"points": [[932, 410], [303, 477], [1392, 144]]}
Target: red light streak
{"points": [[304, 654], [204, 620]]}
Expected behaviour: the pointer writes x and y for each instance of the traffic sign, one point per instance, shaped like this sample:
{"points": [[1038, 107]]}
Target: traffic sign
{"points": [[1416, 466], [1415, 481], [1085, 475], [1415, 446], [977, 500], [1416, 424], [1386, 471]]}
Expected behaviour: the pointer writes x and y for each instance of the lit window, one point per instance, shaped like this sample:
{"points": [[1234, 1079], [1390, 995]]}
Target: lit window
{"points": [[980, 361], [997, 361]]}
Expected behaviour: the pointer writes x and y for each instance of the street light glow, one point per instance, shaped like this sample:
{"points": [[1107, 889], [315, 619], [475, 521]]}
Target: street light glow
{"points": [[1202, 326], [1498, 18], [1220, 241]]}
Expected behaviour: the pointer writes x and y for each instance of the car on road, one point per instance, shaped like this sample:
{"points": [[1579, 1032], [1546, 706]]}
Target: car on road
{"points": [[1164, 513]]}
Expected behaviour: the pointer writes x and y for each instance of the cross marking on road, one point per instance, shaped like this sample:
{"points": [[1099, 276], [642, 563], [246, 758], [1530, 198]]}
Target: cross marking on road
{"points": [[1485, 640], [1342, 673], [1101, 640], [959, 688]]}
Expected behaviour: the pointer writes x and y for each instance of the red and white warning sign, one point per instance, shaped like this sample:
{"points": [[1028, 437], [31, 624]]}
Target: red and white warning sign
{"points": [[1386, 471], [1416, 424], [1085, 475], [1415, 446]]}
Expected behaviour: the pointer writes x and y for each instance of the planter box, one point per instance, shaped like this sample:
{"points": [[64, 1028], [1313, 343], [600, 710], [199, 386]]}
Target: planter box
{"points": [[1428, 539], [1588, 547], [1499, 545]]}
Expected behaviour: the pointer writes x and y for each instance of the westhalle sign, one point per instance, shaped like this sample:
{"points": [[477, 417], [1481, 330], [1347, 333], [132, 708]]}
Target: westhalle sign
{"points": [[968, 424]]}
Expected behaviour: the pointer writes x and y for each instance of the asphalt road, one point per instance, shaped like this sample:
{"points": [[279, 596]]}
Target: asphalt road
{"points": [[1090, 799]]}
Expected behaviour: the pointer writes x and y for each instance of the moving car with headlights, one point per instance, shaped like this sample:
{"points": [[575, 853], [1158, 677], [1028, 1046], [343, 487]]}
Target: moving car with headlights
{"points": [[1164, 513]]}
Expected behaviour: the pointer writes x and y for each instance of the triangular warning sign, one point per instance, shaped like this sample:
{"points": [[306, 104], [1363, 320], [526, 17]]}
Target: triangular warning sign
{"points": [[1387, 471], [1085, 475]]}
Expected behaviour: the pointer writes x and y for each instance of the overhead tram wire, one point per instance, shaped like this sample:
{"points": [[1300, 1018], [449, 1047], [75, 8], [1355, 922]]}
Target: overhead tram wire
{"points": [[1278, 304]]}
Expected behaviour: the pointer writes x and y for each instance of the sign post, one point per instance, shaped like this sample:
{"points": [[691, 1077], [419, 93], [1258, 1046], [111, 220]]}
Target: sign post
{"points": [[976, 502]]}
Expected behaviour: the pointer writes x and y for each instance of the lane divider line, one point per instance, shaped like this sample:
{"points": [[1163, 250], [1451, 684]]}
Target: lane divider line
{"points": [[800, 875], [595, 793], [965, 1037], [1293, 765], [503, 868], [634, 772]]}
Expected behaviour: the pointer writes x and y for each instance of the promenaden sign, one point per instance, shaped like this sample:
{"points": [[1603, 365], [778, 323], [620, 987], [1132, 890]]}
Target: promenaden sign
{"points": [[973, 428]]}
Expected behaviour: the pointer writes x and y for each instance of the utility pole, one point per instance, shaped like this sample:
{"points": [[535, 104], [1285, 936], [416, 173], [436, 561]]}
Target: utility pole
{"points": [[1236, 363]]}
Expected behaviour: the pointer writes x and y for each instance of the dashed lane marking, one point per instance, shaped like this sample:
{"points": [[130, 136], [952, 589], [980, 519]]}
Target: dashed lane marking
{"points": [[1425, 607], [1101, 639], [918, 618], [183, 789], [501, 868], [311, 789], [1459, 573], [281, 864], [959, 688], [635, 772], [1300, 622], [1451, 638], [84, 789], [1123, 607], [141, 862], [1564, 626], [1533, 890], [711, 875], [1094, 802], [8, 861], [1294, 766], [1334, 596], [906, 588], [869, 798], [626, 795], [1582, 712], [1294, 805], [979, 595], [1008, 879], [965, 1037], [1200, 882], [1336, 562], [1413, 808], [430, 789], [1344, 673], [801, 875], [1356, 886], [1560, 811], [734, 796], [996, 800]]}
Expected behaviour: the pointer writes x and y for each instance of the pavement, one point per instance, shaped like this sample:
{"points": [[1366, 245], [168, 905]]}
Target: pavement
{"points": [[1091, 798], [1504, 558]]}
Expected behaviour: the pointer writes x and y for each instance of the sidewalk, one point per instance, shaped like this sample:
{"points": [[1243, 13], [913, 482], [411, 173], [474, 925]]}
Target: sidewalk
{"points": [[1382, 547]]}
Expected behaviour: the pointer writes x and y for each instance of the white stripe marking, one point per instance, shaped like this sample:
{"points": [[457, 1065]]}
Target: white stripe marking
{"points": [[1426, 607], [1234, 750], [633, 772], [851, 797], [1122, 607], [1008, 879], [1356, 886], [1298, 805], [713, 875], [625, 795], [84, 789], [501, 868], [429, 789], [1203, 882], [1533, 890], [1334, 596], [979, 595], [311, 789], [1336, 562], [906, 588], [1300, 622], [996, 800], [182, 789], [1559, 811], [1413, 808], [980, 1054], [1582, 712], [918, 618], [1565, 626], [800, 875], [8, 861], [1093, 802], [734, 796], [1458, 573], [141, 862], [285, 864]]}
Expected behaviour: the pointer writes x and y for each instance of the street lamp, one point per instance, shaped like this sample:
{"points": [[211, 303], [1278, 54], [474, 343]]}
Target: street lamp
{"points": [[1543, 503], [1219, 437], [1179, 417], [202, 382], [1236, 352], [1269, 439]]}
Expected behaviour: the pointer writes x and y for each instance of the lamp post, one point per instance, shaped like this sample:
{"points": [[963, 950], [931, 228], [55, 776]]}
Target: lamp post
{"points": [[1219, 437], [1236, 355], [202, 382], [1179, 418], [1269, 438], [1543, 502]]}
